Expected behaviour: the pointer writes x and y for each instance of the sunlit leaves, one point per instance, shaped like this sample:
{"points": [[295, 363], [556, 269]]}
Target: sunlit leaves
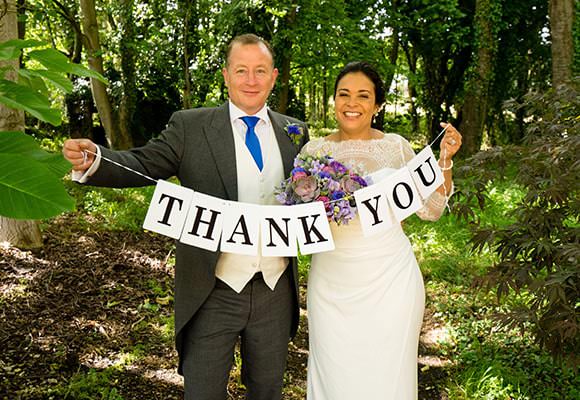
{"points": [[30, 185]]}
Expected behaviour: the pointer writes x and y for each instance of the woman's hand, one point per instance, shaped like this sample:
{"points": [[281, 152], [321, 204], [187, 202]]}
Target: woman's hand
{"points": [[450, 143]]}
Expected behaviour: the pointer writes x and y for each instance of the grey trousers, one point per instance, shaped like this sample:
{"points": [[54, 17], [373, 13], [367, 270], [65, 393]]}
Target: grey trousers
{"points": [[261, 318]]}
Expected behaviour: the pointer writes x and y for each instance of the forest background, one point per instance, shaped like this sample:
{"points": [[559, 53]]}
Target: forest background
{"points": [[503, 320]]}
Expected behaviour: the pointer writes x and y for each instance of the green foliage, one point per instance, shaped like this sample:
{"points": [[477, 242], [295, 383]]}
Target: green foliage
{"points": [[92, 385], [30, 92], [113, 209], [538, 253], [30, 185], [30, 177], [485, 361]]}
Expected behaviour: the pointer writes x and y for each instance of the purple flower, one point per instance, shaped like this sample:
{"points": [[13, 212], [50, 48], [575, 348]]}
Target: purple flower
{"points": [[324, 174], [332, 185], [294, 132], [361, 181], [282, 198], [339, 194], [338, 167], [316, 167]]}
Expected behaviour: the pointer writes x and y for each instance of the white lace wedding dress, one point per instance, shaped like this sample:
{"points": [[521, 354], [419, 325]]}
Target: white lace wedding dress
{"points": [[366, 298]]}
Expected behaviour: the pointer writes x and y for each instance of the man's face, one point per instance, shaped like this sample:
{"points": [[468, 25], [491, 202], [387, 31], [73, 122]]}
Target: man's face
{"points": [[250, 76]]}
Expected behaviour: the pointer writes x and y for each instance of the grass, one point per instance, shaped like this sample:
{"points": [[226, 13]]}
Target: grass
{"points": [[487, 362]]}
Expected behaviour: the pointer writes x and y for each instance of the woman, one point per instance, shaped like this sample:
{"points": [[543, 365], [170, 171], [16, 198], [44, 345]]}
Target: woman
{"points": [[366, 298]]}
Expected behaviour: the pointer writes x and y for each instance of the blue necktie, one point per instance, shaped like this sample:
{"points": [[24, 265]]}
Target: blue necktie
{"points": [[252, 141]]}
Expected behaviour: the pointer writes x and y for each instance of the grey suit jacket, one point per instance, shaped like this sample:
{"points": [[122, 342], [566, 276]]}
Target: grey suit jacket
{"points": [[198, 148]]}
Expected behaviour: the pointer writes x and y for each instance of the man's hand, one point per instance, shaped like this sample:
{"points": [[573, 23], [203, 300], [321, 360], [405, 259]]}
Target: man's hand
{"points": [[74, 151]]}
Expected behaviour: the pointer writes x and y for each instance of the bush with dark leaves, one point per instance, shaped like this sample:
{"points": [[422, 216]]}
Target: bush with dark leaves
{"points": [[538, 252]]}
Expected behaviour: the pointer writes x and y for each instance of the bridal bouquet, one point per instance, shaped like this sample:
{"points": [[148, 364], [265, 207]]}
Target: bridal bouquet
{"points": [[322, 178]]}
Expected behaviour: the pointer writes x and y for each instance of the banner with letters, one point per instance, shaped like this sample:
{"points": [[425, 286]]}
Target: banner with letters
{"points": [[210, 223]]}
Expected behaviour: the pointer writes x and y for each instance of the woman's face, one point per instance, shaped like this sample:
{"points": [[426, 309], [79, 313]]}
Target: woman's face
{"points": [[355, 102]]}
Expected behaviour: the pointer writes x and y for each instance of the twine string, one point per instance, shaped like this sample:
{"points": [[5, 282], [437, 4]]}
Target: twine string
{"points": [[348, 197], [438, 136], [117, 164]]}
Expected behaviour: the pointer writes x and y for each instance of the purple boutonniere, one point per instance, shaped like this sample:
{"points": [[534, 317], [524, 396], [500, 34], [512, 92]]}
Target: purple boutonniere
{"points": [[294, 132]]}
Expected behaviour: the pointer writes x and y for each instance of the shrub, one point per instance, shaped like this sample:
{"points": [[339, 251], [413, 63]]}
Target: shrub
{"points": [[538, 253]]}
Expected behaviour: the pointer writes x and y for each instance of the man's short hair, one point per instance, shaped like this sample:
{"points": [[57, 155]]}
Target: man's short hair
{"points": [[248, 38]]}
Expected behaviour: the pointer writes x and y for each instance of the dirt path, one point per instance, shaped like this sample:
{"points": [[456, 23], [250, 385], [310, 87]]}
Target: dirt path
{"points": [[102, 300]]}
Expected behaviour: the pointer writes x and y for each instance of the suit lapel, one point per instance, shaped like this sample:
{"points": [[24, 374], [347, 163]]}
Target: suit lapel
{"points": [[287, 149], [221, 141]]}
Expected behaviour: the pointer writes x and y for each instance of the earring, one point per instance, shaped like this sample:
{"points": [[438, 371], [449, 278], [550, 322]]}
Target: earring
{"points": [[375, 118]]}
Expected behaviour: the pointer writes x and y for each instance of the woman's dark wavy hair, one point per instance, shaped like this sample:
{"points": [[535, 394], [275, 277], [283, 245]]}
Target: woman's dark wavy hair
{"points": [[370, 72]]}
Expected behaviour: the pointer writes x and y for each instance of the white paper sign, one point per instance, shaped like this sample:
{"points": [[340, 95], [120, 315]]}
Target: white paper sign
{"points": [[168, 209], [373, 209], [426, 172], [402, 194], [278, 231], [203, 225], [205, 221], [312, 228], [241, 228]]}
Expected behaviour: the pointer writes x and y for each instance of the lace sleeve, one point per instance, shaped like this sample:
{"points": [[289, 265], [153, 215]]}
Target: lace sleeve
{"points": [[435, 205]]}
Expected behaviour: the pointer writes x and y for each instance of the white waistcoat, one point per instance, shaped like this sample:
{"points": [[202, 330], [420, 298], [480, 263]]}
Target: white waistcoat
{"points": [[257, 188]]}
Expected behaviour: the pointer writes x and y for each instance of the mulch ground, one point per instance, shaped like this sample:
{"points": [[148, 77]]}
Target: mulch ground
{"points": [[92, 300]]}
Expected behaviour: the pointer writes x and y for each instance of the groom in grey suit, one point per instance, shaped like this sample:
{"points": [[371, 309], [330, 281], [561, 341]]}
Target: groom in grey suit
{"points": [[239, 152]]}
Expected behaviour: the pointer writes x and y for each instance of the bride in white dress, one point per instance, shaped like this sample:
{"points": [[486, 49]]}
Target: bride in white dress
{"points": [[366, 298]]}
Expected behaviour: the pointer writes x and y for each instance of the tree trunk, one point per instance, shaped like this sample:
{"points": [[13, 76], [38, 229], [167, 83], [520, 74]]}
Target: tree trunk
{"points": [[561, 22], [393, 52], [475, 105], [129, 100], [411, 56], [19, 233], [79, 104], [325, 98], [186, 59], [116, 138], [286, 58]]}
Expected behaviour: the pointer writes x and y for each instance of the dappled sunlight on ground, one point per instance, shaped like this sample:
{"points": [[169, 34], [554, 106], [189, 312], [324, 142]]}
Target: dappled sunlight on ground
{"points": [[92, 311]]}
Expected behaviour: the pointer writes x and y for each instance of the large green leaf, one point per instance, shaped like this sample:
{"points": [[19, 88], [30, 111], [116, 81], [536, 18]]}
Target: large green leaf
{"points": [[56, 164], [29, 190], [59, 80], [24, 98], [11, 48], [33, 81], [79, 70], [18, 143], [57, 62]]}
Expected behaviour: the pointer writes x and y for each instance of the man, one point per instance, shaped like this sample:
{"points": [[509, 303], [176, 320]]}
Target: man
{"points": [[218, 296]]}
